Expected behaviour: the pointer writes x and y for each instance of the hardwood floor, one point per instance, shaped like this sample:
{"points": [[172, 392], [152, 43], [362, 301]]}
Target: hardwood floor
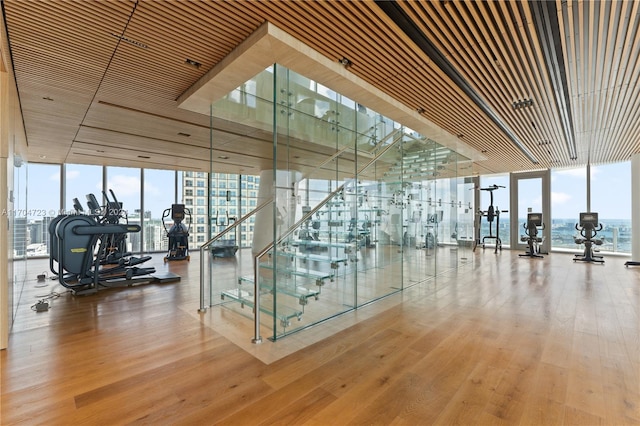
{"points": [[504, 340]]}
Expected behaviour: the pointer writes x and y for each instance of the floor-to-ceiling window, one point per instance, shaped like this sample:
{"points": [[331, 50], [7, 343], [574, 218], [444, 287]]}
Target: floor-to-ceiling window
{"points": [[568, 199], [81, 180], [125, 184], [158, 199], [495, 187], [611, 199]]}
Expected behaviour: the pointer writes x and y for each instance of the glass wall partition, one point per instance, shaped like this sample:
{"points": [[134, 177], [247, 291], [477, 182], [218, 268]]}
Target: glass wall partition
{"points": [[224, 204], [43, 204], [18, 223], [463, 230], [354, 211], [248, 202]]}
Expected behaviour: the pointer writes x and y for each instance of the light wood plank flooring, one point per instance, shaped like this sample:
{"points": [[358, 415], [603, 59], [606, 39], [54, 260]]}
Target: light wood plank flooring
{"points": [[504, 340]]}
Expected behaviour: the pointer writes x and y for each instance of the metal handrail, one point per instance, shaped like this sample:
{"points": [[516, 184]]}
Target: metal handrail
{"points": [[305, 217], [207, 244], [256, 264]]}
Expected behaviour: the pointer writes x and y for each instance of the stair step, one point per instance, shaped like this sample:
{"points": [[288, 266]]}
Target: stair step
{"points": [[326, 244], [319, 276], [335, 261], [300, 292], [285, 313]]}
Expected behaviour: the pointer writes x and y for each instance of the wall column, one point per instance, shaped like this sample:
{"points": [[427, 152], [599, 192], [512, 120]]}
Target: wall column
{"points": [[6, 240], [284, 193], [635, 207]]}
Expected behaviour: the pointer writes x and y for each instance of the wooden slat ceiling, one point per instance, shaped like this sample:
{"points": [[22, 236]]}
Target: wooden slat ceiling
{"points": [[98, 81]]}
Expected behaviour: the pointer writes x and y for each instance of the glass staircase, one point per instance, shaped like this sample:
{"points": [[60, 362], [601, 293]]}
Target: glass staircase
{"points": [[342, 233]]}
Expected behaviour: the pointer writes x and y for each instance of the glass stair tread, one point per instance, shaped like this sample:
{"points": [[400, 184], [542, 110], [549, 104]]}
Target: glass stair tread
{"points": [[313, 257], [297, 291], [314, 243], [342, 233], [301, 272], [285, 313]]}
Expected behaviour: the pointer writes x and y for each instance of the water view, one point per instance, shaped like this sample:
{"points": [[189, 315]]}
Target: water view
{"points": [[615, 234]]}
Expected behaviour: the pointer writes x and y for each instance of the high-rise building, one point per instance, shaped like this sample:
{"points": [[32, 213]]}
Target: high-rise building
{"points": [[216, 201]]}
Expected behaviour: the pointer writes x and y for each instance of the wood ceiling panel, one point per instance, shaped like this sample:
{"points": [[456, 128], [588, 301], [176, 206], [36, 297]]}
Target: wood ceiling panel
{"points": [[602, 44], [484, 58], [70, 52]]}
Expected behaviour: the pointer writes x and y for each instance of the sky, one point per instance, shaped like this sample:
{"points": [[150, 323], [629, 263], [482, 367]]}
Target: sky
{"points": [[43, 188], [610, 192]]}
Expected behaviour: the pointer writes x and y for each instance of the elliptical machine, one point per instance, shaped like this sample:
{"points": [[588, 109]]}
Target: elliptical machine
{"points": [[588, 228], [178, 234], [88, 251], [492, 213], [531, 228]]}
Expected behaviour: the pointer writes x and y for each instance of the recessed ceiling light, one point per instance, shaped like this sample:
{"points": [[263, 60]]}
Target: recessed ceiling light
{"points": [[42, 156], [345, 62], [223, 157], [186, 135], [522, 103], [130, 41], [47, 98], [192, 63]]}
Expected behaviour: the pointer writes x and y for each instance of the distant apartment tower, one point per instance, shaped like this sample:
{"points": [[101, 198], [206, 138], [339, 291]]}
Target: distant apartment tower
{"points": [[20, 236], [216, 201]]}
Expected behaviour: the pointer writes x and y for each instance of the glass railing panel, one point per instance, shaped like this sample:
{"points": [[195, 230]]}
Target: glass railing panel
{"points": [[309, 275], [226, 274]]}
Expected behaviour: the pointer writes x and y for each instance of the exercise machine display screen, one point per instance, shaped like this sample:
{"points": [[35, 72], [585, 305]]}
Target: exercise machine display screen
{"points": [[535, 219], [589, 219]]}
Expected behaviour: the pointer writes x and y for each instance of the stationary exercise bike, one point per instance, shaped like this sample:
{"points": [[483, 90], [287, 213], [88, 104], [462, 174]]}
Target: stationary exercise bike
{"points": [[492, 213], [531, 228], [588, 228]]}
